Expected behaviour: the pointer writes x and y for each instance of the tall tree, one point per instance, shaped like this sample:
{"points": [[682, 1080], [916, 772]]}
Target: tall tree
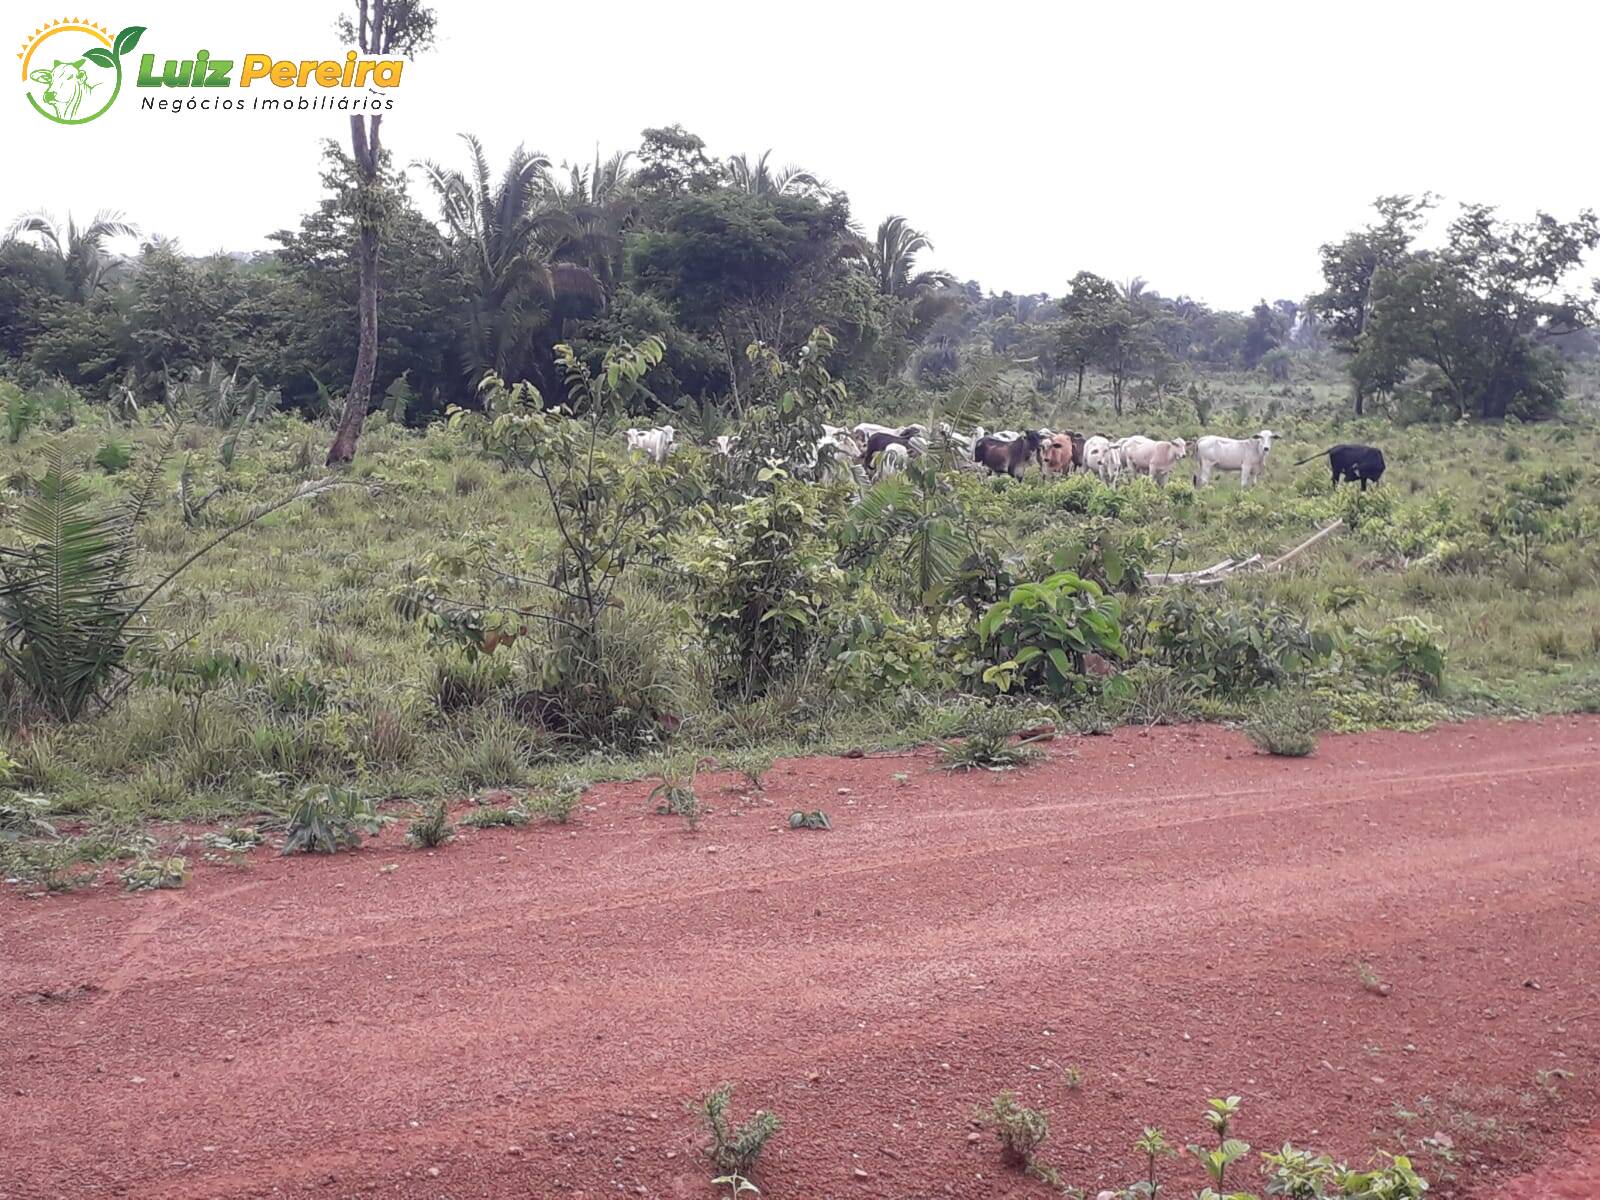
{"points": [[916, 299], [1089, 310], [81, 249], [506, 234], [761, 180], [1476, 310], [381, 29], [1348, 268]]}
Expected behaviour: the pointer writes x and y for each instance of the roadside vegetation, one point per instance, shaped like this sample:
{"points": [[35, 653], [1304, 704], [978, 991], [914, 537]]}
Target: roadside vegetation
{"points": [[398, 638]]}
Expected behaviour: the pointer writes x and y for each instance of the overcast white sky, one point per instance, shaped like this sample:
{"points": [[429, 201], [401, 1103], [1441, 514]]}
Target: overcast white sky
{"points": [[1208, 146]]}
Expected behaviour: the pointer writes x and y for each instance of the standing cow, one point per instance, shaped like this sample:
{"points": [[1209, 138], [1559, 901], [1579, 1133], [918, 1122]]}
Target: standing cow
{"points": [[1008, 457], [1352, 463], [1248, 456], [1146, 456], [654, 444]]}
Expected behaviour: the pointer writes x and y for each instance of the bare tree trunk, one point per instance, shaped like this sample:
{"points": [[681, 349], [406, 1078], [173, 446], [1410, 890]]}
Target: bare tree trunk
{"points": [[367, 151], [359, 397]]}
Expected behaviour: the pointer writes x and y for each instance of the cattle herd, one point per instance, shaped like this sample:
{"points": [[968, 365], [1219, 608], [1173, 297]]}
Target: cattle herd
{"points": [[869, 450]]}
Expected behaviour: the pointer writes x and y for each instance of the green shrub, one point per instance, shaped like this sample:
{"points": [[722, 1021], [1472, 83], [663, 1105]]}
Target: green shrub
{"points": [[114, 457], [675, 794], [1408, 647], [1229, 648], [752, 764], [431, 827], [1021, 1130], [987, 745], [562, 801], [151, 874], [1036, 638], [1150, 694], [762, 581], [1288, 724], [734, 1150], [325, 820], [494, 817]]}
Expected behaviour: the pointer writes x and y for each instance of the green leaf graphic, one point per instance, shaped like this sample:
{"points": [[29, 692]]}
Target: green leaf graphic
{"points": [[128, 39], [100, 57]]}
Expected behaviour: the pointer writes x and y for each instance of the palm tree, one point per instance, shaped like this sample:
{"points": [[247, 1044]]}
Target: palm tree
{"points": [[507, 234], [760, 180], [82, 251], [923, 296], [600, 205], [892, 259]]}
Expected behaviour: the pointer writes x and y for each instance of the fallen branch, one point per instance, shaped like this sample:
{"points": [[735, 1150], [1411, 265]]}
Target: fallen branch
{"points": [[1228, 567]]}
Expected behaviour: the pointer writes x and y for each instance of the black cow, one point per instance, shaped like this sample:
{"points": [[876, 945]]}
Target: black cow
{"points": [[879, 442], [1352, 463], [1008, 458]]}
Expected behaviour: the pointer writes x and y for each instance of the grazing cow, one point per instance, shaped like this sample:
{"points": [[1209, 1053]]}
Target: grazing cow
{"points": [[1352, 463], [1008, 458], [1248, 456], [66, 87], [913, 431], [1146, 456], [654, 444], [1094, 454], [879, 442], [892, 460], [1058, 456], [866, 429]]}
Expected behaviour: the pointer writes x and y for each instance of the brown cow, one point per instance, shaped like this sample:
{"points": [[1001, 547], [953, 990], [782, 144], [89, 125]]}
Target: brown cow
{"points": [[1058, 456], [1008, 458]]}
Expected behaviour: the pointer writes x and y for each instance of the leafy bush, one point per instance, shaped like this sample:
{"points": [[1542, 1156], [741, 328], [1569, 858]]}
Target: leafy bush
{"points": [[21, 411], [734, 1150], [752, 764], [1227, 648], [1150, 694], [1021, 1130], [1036, 638], [1288, 724], [151, 874], [494, 817], [67, 604], [675, 792], [762, 581], [987, 745], [562, 800], [113, 457], [1408, 647], [877, 653], [431, 827], [325, 820]]}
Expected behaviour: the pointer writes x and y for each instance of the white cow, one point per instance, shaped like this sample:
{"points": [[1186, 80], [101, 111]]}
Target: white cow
{"points": [[1248, 456], [655, 444], [1095, 451], [723, 443], [892, 460], [1146, 456]]}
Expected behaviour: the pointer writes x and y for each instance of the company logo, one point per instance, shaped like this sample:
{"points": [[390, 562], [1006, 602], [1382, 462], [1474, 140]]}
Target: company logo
{"points": [[72, 69]]}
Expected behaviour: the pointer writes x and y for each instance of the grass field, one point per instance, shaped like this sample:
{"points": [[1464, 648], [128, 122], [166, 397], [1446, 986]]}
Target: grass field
{"points": [[345, 687]]}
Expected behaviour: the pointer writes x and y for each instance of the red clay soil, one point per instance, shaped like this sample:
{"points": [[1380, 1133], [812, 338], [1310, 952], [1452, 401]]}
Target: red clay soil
{"points": [[525, 1012]]}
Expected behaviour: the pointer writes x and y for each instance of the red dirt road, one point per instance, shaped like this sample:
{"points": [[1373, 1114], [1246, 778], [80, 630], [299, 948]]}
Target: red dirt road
{"points": [[525, 1012]]}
